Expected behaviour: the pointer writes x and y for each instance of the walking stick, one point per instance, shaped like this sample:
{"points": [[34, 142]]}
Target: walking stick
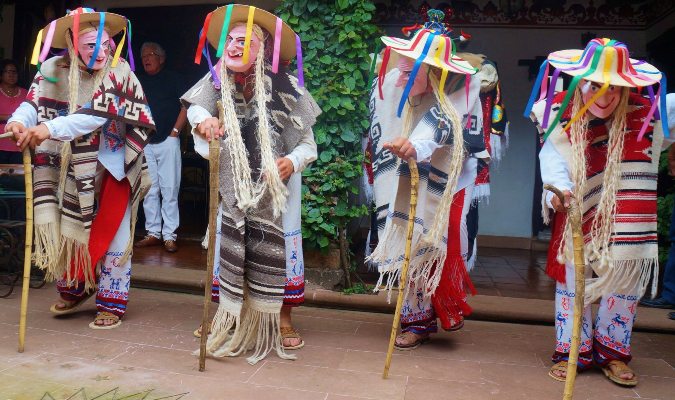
{"points": [[214, 169], [28, 187], [414, 183], [574, 214], [28, 247]]}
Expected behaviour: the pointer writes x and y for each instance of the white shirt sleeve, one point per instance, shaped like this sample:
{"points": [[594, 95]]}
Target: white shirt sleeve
{"points": [[72, 126], [196, 115], [26, 114], [304, 153], [554, 170], [424, 148]]}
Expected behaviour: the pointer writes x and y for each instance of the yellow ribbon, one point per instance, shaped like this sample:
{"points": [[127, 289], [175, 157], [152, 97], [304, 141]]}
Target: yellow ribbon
{"points": [[437, 61], [249, 31], [611, 52], [116, 58], [36, 49]]}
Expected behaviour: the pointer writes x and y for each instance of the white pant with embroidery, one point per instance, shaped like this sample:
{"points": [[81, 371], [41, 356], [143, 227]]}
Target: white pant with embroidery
{"points": [[608, 338]]}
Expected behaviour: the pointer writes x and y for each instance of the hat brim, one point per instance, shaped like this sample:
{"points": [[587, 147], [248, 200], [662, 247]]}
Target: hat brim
{"points": [[262, 18], [567, 61], [407, 48], [114, 24]]}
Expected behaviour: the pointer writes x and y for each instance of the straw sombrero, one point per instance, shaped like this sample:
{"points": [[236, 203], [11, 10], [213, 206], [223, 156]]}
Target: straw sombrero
{"points": [[431, 45], [262, 18], [218, 23], [433, 48], [604, 61], [54, 34], [114, 24]]}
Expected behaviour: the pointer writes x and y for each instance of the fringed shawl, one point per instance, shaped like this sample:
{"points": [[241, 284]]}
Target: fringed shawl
{"points": [[392, 179], [633, 246], [62, 233]]}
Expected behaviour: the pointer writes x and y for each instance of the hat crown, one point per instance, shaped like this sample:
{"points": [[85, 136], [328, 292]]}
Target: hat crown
{"points": [[80, 10]]}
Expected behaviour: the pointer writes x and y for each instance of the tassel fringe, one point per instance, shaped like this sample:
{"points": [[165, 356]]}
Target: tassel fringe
{"points": [[257, 328], [623, 277]]}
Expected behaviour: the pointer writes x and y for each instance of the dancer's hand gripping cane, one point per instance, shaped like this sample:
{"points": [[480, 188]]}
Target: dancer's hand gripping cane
{"points": [[574, 214], [28, 248], [414, 183], [214, 184]]}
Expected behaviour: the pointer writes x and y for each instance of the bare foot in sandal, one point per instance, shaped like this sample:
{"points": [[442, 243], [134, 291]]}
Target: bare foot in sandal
{"points": [[410, 340], [63, 305], [291, 339], [105, 320], [558, 371], [620, 373]]}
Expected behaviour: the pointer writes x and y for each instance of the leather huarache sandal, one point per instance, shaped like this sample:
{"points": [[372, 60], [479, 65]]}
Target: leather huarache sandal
{"points": [[620, 367], [71, 306], [103, 316], [287, 332], [405, 336], [558, 367]]}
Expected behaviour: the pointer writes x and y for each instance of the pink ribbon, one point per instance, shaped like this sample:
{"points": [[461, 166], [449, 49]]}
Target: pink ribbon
{"points": [[48, 41], [649, 116], [277, 46]]}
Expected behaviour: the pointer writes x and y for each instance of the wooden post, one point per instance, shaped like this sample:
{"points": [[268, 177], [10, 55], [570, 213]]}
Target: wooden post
{"points": [[28, 248], [574, 214], [414, 183], [214, 184]]}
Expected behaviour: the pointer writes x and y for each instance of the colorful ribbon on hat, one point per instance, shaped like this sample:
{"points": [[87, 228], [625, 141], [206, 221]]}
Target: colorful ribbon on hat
{"points": [[413, 73], [99, 36], [298, 54], [277, 45], [224, 30], [202, 38], [249, 33]]}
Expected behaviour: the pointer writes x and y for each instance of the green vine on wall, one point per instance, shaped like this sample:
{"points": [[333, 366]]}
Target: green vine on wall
{"points": [[336, 38]]}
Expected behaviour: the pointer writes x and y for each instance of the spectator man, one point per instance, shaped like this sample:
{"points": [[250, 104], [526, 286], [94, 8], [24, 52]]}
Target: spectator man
{"points": [[163, 89]]}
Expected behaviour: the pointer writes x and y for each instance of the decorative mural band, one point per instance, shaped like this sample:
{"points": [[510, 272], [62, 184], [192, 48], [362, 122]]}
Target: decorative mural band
{"points": [[551, 13]]}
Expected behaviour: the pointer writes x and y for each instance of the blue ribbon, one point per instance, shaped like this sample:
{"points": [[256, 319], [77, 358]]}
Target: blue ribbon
{"points": [[413, 73], [101, 26], [535, 89]]}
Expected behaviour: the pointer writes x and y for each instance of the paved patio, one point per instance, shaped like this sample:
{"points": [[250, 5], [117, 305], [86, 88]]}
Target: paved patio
{"points": [[343, 359]]}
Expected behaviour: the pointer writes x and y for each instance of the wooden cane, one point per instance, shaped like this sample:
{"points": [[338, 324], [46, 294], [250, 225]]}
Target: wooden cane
{"points": [[414, 183], [214, 169], [28, 248], [574, 214]]}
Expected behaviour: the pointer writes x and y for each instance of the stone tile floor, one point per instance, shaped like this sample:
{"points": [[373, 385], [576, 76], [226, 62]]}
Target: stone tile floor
{"points": [[150, 357]]}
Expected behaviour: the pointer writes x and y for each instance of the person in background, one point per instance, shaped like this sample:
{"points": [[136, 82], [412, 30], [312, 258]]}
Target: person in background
{"points": [[163, 88], [11, 95]]}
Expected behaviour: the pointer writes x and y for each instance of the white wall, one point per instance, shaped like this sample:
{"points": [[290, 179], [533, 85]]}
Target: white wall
{"points": [[7, 30], [510, 208]]}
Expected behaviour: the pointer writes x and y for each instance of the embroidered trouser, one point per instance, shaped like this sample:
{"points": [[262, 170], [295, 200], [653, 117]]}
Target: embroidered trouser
{"points": [[417, 313], [603, 341], [112, 292], [294, 289]]}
